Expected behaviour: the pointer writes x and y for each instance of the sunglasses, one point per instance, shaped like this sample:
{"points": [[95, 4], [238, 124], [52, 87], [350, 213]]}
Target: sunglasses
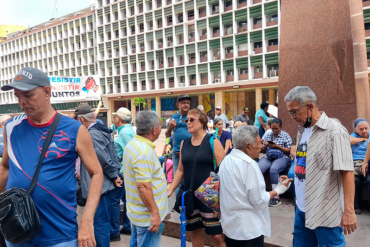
{"points": [[191, 120]]}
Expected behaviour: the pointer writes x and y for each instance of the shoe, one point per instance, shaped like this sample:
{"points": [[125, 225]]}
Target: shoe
{"points": [[357, 211], [274, 202], [115, 238], [125, 232]]}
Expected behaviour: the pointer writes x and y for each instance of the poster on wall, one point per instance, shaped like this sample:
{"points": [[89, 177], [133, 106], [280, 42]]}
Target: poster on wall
{"points": [[209, 105], [70, 89]]}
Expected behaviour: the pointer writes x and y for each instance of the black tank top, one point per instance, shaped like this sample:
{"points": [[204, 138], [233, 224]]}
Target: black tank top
{"points": [[204, 162]]}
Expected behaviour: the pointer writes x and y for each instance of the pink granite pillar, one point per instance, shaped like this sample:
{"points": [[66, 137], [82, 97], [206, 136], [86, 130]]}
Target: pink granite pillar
{"points": [[316, 50]]}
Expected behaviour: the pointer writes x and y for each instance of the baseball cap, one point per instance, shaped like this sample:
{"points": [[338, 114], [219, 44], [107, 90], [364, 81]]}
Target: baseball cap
{"points": [[218, 107], [82, 109], [245, 109], [183, 96], [28, 79], [123, 112]]}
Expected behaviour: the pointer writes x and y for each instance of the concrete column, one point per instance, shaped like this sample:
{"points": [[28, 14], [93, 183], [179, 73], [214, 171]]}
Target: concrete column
{"points": [[149, 104], [258, 97], [272, 94], [234, 110], [110, 111], [220, 100], [158, 105], [360, 60], [241, 101], [200, 99], [133, 111]]}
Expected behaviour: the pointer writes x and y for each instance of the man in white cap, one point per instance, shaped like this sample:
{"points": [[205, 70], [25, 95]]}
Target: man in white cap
{"points": [[221, 115], [122, 119]]}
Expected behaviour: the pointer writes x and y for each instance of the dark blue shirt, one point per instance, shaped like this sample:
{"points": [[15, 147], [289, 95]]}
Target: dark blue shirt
{"points": [[180, 131], [226, 135]]}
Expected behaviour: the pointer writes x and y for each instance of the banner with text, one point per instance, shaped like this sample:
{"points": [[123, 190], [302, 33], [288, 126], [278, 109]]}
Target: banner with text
{"points": [[68, 89]]}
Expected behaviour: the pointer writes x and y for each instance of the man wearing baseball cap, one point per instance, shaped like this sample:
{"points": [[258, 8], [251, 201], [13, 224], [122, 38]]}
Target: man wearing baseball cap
{"points": [[221, 115], [180, 129], [122, 119], [243, 117], [55, 193]]}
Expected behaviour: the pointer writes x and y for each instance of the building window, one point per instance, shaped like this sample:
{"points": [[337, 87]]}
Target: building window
{"points": [[169, 41], [192, 77], [229, 72], [229, 50], [202, 11], [203, 54], [274, 17], [242, 1], [171, 79], [203, 32], [170, 60], [161, 81], [159, 22], [204, 75], [142, 64], [215, 9], [243, 71], [216, 30], [192, 56], [160, 60], [257, 20], [258, 44], [228, 4], [273, 42], [133, 29], [243, 24], [141, 27], [160, 41], [257, 69], [229, 29], [142, 83], [243, 47], [169, 19], [190, 13], [142, 46]]}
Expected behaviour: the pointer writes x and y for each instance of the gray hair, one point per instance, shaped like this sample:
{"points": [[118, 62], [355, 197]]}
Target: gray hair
{"points": [[302, 95], [217, 120], [146, 121], [269, 120], [4, 118], [125, 119], [245, 134], [354, 122], [88, 116]]}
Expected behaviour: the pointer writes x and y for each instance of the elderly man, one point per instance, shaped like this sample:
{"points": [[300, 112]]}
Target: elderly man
{"points": [[360, 141], [243, 196], [243, 117], [324, 179], [3, 120], [108, 158], [126, 133], [55, 193], [147, 205], [180, 129]]}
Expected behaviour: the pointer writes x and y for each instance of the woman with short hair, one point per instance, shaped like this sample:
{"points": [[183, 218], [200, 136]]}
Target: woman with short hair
{"points": [[223, 136]]}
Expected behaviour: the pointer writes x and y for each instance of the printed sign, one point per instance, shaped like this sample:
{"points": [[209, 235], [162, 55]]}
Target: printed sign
{"points": [[68, 89]]}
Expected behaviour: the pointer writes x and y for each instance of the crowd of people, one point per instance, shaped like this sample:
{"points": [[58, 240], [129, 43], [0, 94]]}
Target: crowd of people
{"points": [[87, 165]]}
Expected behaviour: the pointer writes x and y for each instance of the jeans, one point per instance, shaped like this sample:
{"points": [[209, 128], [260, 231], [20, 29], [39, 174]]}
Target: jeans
{"points": [[261, 131], [176, 161], [275, 167], [291, 175], [321, 236], [358, 180], [102, 221], [231, 130], [142, 237], [115, 197], [73, 243]]}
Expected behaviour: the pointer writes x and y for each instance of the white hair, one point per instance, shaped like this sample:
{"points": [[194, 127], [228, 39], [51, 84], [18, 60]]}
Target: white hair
{"points": [[88, 116], [125, 119], [146, 121], [245, 134], [302, 95], [200, 107], [4, 119]]}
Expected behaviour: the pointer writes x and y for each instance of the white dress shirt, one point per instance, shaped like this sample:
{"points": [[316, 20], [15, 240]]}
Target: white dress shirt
{"points": [[243, 198]]}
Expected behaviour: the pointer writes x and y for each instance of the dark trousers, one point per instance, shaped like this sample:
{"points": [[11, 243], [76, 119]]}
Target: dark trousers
{"points": [[261, 131], [358, 181], [255, 242], [102, 221]]}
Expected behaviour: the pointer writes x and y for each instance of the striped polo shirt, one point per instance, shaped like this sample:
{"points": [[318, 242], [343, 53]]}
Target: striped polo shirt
{"points": [[328, 153], [141, 165]]}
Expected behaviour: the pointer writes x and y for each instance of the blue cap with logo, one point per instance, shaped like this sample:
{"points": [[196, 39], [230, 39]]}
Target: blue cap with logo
{"points": [[28, 79]]}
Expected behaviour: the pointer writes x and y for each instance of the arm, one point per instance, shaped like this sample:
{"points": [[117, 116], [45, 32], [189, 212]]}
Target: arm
{"points": [[4, 166], [146, 195], [219, 151], [260, 119], [178, 175], [227, 146], [292, 151], [119, 147], [171, 127], [85, 150], [355, 140], [349, 221]]}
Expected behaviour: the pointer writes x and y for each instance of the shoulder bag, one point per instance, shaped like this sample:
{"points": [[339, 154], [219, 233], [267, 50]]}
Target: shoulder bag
{"points": [[189, 194], [19, 219], [273, 154]]}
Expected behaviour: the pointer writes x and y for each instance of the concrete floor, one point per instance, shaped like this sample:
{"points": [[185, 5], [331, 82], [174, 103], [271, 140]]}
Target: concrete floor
{"points": [[166, 242]]}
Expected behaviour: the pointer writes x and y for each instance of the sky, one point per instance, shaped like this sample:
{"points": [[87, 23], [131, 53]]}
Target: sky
{"points": [[29, 13]]}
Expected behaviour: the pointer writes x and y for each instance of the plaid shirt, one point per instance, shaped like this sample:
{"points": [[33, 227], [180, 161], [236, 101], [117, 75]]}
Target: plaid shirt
{"points": [[283, 140]]}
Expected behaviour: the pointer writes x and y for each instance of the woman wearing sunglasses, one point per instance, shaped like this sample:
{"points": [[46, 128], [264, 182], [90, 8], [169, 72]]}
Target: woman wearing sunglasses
{"points": [[198, 147], [224, 136]]}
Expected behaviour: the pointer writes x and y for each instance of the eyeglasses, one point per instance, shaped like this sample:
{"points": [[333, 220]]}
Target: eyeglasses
{"points": [[191, 120], [293, 113]]}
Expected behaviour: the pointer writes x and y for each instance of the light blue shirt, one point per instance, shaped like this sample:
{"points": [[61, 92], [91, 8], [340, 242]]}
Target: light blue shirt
{"points": [[359, 149], [125, 134], [260, 113]]}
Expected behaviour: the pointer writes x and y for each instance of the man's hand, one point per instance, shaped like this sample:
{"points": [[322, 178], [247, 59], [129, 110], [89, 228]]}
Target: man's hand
{"points": [[86, 236], [77, 177], [155, 221], [172, 124], [364, 168], [349, 222], [118, 182], [169, 193]]}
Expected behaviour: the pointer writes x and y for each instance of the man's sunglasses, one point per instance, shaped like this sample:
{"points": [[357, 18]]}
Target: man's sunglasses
{"points": [[191, 120]]}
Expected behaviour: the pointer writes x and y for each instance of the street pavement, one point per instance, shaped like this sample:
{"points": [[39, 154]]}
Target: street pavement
{"points": [[166, 242]]}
